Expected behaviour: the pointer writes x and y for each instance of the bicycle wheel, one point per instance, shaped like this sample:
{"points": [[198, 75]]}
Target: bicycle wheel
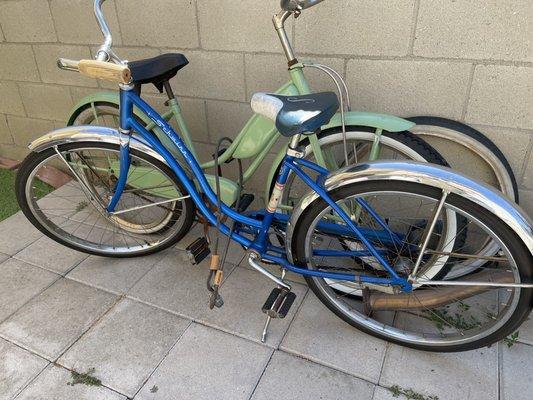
{"points": [[398, 146], [153, 213], [432, 318], [458, 142]]}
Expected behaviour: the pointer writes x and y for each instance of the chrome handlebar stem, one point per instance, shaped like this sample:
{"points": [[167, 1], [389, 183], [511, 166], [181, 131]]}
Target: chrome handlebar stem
{"points": [[104, 51]]}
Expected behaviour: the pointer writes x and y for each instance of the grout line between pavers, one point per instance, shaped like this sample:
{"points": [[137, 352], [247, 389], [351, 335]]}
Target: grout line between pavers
{"points": [[261, 375], [33, 379], [163, 358]]}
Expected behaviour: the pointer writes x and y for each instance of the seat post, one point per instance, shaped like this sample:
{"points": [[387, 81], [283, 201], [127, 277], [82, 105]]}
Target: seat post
{"points": [[168, 90]]}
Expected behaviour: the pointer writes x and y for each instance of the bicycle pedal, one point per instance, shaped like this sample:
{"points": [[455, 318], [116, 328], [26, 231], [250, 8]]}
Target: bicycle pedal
{"points": [[245, 201], [278, 303], [198, 250]]}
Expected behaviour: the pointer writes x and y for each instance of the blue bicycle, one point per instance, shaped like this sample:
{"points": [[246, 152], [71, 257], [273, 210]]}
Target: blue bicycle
{"points": [[392, 232]]}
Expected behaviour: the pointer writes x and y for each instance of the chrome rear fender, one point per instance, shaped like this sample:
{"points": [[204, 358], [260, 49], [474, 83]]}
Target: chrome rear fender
{"points": [[428, 174]]}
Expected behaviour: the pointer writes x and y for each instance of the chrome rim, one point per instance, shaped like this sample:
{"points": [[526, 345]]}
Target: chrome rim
{"points": [[458, 322], [79, 218]]}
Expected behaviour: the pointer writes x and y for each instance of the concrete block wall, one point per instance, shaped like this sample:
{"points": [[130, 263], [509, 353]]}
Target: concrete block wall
{"points": [[462, 59]]}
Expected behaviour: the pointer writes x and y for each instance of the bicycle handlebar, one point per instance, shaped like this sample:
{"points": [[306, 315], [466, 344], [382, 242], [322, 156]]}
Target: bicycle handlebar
{"points": [[104, 51]]}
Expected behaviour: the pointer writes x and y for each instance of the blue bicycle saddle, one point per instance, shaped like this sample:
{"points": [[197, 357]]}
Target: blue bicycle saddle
{"points": [[296, 114]]}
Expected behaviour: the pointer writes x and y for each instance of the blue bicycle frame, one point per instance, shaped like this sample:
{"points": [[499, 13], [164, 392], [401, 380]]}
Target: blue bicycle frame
{"points": [[258, 227]]}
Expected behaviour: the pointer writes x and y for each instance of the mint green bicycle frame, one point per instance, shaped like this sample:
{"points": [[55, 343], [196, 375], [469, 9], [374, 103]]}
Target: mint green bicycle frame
{"points": [[259, 135]]}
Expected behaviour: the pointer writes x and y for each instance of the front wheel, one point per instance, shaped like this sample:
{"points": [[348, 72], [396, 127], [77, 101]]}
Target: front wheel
{"points": [[153, 213], [431, 317]]}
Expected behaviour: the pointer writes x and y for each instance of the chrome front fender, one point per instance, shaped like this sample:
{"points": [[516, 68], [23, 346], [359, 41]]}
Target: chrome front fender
{"points": [[428, 174], [88, 133]]}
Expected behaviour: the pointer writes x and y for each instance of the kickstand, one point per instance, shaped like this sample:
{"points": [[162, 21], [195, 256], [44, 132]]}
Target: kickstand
{"points": [[269, 318]]}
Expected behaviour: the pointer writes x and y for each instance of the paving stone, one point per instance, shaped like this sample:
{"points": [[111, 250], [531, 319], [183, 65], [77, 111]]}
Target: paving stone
{"points": [[276, 270], [116, 275], [231, 366], [18, 63], [126, 345], [371, 27], [17, 368], [19, 282], [244, 294], [175, 285], [526, 331], [3, 257], [491, 84], [52, 384], [75, 23], [467, 375], [10, 100], [250, 28], [172, 23], [306, 380], [460, 29], [516, 372], [21, 234], [212, 75], [27, 21], [51, 255], [319, 335], [381, 393], [408, 87], [52, 321]]}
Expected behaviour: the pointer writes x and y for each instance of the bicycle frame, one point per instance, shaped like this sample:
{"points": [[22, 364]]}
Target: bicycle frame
{"points": [[260, 245]]}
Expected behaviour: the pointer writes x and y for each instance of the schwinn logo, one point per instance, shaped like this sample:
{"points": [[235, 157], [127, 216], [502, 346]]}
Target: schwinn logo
{"points": [[299, 100], [172, 137]]}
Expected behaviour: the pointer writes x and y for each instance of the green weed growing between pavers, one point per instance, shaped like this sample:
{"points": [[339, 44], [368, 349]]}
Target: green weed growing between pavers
{"points": [[84, 378], [409, 394]]}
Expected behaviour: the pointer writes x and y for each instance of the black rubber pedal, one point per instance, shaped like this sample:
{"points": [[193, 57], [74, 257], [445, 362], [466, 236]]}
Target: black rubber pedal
{"points": [[278, 303], [198, 250], [245, 201]]}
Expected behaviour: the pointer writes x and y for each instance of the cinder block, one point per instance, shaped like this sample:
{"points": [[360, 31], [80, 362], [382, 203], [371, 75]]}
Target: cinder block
{"points": [[408, 87], [226, 118], [234, 25], [10, 100], [5, 134], [514, 145], [527, 180], [46, 101], [27, 21], [364, 27], [75, 22], [267, 73], [493, 29], [27, 129], [47, 55], [168, 23], [502, 96], [18, 63], [526, 201], [14, 152], [212, 75]]}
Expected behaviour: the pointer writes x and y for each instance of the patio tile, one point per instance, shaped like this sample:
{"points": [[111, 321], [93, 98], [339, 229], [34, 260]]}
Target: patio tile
{"points": [[207, 364], [52, 321], [51, 255], [126, 345], [244, 294], [319, 335], [116, 275], [17, 368], [306, 380], [52, 384], [17, 234], [175, 285], [516, 372], [466, 375], [382, 393], [526, 331], [3, 257], [19, 282]]}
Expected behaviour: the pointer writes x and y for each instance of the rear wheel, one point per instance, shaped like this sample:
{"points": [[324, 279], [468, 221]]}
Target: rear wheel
{"points": [[153, 213], [431, 317]]}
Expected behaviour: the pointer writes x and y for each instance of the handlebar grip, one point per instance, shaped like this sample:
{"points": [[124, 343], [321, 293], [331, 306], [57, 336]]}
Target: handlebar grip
{"points": [[105, 70], [69, 65]]}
